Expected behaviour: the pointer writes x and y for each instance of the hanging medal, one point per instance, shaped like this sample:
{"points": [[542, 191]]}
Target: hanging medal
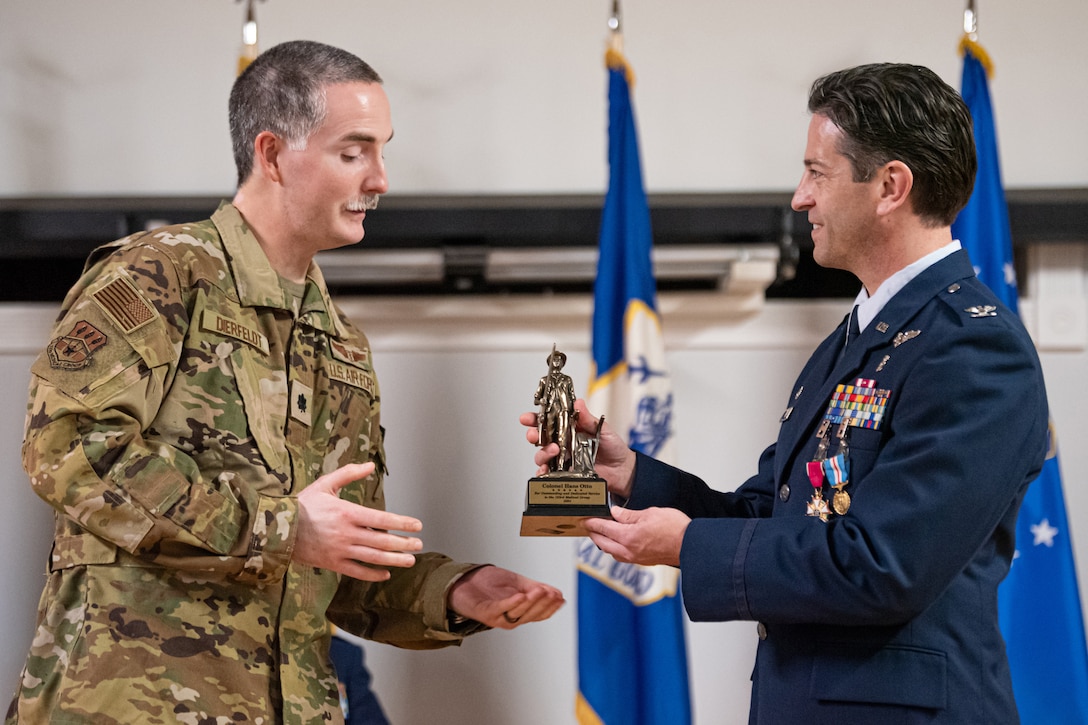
{"points": [[861, 405], [837, 469], [817, 505]]}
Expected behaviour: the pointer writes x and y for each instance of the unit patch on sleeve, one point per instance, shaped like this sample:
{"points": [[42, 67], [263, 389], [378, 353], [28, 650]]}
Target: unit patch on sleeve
{"points": [[73, 350]]}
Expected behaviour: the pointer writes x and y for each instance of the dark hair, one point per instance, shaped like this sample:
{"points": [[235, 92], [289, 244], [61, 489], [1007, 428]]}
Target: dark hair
{"points": [[899, 112], [283, 91]]}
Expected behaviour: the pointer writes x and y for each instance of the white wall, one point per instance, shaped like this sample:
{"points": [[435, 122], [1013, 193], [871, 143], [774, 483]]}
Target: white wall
{"points": [[26, 525], [129, 96]]}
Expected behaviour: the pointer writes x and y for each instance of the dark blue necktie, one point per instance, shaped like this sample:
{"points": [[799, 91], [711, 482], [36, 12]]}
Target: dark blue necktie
{"points": [[853, 331]]}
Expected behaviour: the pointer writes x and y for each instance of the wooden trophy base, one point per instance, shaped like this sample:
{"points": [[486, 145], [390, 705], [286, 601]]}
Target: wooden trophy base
{"points": [[557, 505]]}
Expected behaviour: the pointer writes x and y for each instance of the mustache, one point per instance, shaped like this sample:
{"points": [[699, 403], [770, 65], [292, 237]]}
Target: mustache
{"points": [[364, 203]]}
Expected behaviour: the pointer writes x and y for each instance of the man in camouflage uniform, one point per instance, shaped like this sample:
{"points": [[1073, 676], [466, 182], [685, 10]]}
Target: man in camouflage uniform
{"points": [[206, 424]]}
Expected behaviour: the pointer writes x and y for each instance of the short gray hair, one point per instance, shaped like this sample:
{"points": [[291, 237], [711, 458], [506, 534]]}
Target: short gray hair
{"points": [[283, 91]]}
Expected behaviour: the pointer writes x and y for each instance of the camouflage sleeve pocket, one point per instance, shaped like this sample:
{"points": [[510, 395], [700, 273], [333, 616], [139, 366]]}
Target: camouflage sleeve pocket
{"points": [[73, 550], [213, 520], [210, 517]]}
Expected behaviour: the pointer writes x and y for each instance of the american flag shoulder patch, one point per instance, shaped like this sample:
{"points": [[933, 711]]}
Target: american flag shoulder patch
{"points": [[123, 303]]}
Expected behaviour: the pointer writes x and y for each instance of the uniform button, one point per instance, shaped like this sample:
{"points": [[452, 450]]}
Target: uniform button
{"points": [[761, 630], [784, 492]]}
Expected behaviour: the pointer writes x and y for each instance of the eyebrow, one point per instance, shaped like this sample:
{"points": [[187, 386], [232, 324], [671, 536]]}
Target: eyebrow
{"points": [[364, 138]]}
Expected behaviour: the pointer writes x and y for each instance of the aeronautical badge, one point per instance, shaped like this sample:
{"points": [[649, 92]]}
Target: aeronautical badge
{"points": [[74, 350], [353, 355], [902, 337]]}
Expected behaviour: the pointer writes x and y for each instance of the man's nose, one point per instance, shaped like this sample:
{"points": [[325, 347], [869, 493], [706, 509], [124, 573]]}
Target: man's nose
{"points": [[802, 199], [376, 182]]}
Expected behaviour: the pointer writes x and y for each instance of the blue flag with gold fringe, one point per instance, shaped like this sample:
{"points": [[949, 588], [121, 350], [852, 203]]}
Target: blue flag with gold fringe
{"points": [[1039, 602], [632, 651]]}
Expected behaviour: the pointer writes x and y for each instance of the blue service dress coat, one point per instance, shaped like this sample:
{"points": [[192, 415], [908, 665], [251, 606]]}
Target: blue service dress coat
{"points": [[888, 613]]}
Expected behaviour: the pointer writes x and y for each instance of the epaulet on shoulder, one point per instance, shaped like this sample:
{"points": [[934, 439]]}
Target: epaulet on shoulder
{"points": [[102, 252], [99, 253], [968, 303], [178, 233]]}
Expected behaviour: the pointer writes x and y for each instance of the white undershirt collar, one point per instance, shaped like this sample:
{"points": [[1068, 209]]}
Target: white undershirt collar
{"points": [[870, 307]]}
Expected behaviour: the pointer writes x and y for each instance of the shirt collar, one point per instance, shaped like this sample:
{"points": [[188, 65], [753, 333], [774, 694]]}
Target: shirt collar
{"points": [[870, 307], [257, 283]]}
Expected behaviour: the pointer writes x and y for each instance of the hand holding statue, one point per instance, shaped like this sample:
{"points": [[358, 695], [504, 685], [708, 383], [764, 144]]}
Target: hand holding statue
{"points": [[567, 488], [614, 461]]}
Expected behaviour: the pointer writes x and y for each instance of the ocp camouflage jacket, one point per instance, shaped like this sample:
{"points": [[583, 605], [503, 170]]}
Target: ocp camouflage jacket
{"points": [[183, 402]]}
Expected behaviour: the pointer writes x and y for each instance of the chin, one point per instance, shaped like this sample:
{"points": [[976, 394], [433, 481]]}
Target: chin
{"points": [[822, 258], [349, 237]]}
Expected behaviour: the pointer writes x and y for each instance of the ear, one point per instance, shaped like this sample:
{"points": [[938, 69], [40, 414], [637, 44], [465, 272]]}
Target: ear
{"points": [[896, 181], [266, 155]]}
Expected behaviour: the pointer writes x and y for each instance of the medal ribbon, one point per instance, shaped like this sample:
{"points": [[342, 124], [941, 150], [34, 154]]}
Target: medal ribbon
{"points": [[837, 469], [817, 506], [859, 405]]}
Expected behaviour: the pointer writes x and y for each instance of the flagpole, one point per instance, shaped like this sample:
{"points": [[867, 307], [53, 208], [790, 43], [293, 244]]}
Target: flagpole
{"points": [[632, 650], [1039, 607]]}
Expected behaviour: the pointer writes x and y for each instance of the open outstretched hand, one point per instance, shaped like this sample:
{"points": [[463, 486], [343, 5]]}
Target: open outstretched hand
{"points": [[503, 599], [348, 538]]}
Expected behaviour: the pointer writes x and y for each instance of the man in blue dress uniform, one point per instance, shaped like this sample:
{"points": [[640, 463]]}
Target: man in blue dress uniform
{"points": [[871, 541]]}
